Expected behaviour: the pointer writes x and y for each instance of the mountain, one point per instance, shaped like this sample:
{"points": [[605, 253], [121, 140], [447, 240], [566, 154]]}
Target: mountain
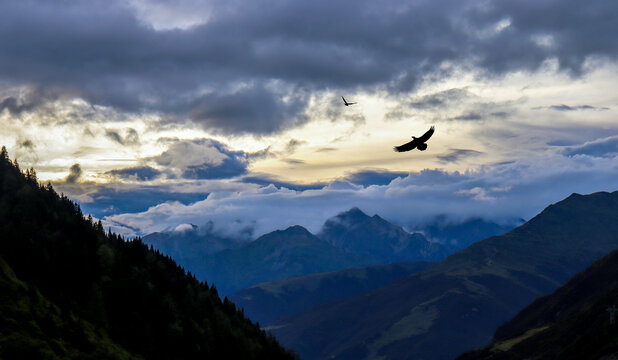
{"points": [[571, 323], [268, 302], [456, 304], [189, 243], [459, 235], [275, 256], [375, 238], [68, 290]]}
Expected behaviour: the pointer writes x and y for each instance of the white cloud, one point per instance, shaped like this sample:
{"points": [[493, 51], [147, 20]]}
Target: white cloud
{"points": [[503, 192]]}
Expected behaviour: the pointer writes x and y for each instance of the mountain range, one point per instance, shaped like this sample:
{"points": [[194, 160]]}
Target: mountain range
{"points": [[456, 304], [349, 239]]}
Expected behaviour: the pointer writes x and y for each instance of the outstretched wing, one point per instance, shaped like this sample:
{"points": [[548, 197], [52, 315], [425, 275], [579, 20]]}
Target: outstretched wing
{"points": [[407, 146], [345, 102], [427, 135]]}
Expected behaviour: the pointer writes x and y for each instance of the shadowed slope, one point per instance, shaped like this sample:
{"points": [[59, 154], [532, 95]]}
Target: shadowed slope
{"points": [[70, 291], [571, 323], [268, 302]]}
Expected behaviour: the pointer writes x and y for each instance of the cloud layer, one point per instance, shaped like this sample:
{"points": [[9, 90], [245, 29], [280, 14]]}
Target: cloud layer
{"points": [[501, 193], [249, 67]]}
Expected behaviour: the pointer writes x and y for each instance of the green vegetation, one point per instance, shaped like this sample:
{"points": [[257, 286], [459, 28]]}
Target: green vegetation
{"points": [[70, 290]]}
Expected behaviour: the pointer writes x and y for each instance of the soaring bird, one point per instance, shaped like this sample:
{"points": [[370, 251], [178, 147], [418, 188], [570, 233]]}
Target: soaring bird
{"points": [[347, 103], [418, 143]]}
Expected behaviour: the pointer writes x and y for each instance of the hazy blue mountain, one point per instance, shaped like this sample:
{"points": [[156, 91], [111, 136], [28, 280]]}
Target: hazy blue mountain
{"points": [[190, 244], [275, 256], [456, 304], [375, 238], [572, 323], [458, 235], [268, 302]]}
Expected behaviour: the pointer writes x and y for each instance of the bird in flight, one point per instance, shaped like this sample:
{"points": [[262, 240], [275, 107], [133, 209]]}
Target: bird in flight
{"points": [[347, 103], [418, 143]]}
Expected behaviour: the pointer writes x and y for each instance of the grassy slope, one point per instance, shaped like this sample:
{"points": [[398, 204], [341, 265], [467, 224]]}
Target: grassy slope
{"points": [[464, 297], [268, 302], [571, 323]]}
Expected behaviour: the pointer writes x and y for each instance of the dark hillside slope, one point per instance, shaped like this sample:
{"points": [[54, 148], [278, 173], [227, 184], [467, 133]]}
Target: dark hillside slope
{"points": [[268, 302], [571, 323], [456, 304], [71, 291]]}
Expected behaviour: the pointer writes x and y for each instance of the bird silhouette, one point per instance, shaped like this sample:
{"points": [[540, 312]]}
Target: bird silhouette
{"points": [[347, 103], [418, 143]]}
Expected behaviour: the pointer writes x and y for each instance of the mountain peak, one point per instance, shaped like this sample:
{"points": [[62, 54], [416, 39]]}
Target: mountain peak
{"points": [[296, 230], [353, 215]]}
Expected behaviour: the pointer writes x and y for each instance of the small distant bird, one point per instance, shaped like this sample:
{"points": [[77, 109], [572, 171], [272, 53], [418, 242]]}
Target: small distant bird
{"points": [[418, 143], [347, 103]]}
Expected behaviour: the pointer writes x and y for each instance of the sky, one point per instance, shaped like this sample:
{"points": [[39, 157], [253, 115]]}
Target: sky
{"points": [[154, 114]]}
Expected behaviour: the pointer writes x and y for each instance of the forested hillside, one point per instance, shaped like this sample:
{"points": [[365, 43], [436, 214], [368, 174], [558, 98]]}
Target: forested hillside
{"points": [[70, 290]]}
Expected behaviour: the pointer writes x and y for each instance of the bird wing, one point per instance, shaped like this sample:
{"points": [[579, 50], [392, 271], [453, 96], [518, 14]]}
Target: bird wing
{"points": [[345, 102], [407, 146], [427, 135]]}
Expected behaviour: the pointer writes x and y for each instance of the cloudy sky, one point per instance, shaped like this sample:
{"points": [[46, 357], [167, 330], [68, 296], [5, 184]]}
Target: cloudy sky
{"points": [[158, 113]]}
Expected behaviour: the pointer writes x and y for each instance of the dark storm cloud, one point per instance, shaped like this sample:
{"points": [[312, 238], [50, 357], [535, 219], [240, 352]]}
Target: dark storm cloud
{"points": [[457, 154], [108, 200], [141, 173], [606, 147], [206, 159], [75, 172], [230, 168], [441, 98], [256, 54], [250, 110], [374, 177]]}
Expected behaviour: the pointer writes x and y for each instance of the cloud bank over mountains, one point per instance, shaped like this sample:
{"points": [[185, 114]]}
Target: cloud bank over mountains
{"points": [[501, 193]]}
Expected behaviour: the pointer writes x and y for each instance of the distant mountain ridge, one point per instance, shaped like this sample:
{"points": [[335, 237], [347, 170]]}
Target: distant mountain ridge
{"points": [[375, 238], [349, 239], [274, 256], [464, 297]]}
